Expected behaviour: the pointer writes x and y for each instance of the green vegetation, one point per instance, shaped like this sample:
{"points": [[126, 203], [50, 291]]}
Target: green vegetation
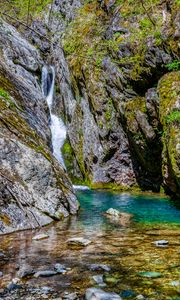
{"points": [[6, 97], [85, 45], [174, 66], [24, 10], [4, 94], [174, 116]]}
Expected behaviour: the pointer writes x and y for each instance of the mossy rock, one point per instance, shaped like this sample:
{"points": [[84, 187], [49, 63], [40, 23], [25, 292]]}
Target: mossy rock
{"points": [[169, 91]]}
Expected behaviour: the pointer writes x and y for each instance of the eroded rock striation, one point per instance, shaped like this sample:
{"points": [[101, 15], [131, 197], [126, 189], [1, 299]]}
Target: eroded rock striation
{"points": [[110, 63], [34, 188]]}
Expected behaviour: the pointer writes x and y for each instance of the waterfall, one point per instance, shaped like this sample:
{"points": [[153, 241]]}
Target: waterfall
{"points": [[57, 127]]}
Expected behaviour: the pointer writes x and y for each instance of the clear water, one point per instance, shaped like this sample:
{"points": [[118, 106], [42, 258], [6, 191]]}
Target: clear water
{"points": [[128, 250], [145, 208]]}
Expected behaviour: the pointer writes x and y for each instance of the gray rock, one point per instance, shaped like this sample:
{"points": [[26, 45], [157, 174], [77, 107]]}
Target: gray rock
{"points": [[40, 236], [161, 243], [46, 273], [175, 283], [25, 271], [99, 280], [99, 267], [98, 294], [61, 269], [79, 241], [70, 296], [1, 274], [140, 297], [113, 212]]}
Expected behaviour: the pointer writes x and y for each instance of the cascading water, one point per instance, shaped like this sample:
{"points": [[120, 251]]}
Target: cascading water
{"points": [[58, 129]]}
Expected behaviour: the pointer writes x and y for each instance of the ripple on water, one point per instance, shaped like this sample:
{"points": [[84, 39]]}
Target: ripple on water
{"points": [[127, 250]]}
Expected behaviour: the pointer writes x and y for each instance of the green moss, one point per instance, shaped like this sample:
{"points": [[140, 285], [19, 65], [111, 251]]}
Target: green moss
{"points": [[174, 66], [131, 107], [113, 186], [169, 91], [173, 117]]}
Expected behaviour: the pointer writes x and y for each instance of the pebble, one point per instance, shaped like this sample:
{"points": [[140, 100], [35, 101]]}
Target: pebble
{"points": [[161, 243], [79, 241], [100, 267], [99, 280], [41, 236], [98, 294], [109, 279], [113, 212], [46, 273], [61, 269], [71, 296], [1, 274], [128, 294], [175, 283], [140, 297], [12, 286], [25, 271], [150, 274]]}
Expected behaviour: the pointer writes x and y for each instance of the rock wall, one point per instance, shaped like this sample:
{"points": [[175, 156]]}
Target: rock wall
{"points": [[109, 60], [34, 188]]}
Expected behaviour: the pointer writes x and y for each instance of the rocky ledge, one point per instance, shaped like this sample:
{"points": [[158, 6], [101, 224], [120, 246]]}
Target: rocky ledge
{"points": [[34, 187]]}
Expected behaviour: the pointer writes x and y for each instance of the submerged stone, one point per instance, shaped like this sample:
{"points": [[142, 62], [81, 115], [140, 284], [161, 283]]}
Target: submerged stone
{"points": [[161, 243], [98, 294], [59, 268], [70, 296], [128, 294], [1, 274], [41, 236], [99, 280], [79, 241], [46, 273], [175, 283], [110, 279], [113, 212], [150, 274], [99, 267]]}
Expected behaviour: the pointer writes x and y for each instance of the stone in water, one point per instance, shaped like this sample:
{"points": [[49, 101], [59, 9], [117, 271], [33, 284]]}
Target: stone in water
{"points": [[41, 236], [45, 273], [98, 294], [150, 274], [161, 243], [79, 241]]}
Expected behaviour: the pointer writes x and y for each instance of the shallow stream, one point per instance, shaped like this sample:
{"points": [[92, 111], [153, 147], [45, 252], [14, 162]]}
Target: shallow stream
{"points": [[127, 248]]}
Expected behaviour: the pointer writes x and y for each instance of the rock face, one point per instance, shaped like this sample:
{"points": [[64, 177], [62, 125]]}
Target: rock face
{"points": [[34, 189], [108, 66], [169, 92]]}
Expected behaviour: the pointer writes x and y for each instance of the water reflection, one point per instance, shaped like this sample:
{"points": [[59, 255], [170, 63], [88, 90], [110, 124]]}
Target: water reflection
{"points": [[128, 250]]}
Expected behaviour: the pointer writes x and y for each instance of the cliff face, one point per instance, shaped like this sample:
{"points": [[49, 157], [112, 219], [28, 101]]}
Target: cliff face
{"points": [[34, 188], [110, 84]]}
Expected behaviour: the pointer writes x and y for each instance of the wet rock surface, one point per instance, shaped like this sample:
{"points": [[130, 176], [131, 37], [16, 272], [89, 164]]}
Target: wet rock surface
{"points": [[34, 188], [112, 111], [98, 294]]}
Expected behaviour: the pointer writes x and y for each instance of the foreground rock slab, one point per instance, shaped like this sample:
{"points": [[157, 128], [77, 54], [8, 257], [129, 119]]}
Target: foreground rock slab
{"points": [[98, 294], [78, 241]]}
